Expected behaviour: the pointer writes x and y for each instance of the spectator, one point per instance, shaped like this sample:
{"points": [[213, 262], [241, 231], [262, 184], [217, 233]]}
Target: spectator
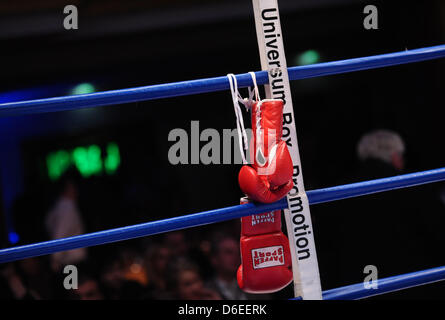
{"points": [[11, 284], [382, 229], [156, 260], [225, 258], [119, 281], [88, 289], [112, 278], [178, 244], [28, 279], [133, 266], [381, 152], [64, 220], [184, 282]]}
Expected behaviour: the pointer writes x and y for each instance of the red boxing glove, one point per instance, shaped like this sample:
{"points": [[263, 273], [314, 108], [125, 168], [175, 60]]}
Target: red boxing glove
{"points": [[265, 255], [270, 177]]}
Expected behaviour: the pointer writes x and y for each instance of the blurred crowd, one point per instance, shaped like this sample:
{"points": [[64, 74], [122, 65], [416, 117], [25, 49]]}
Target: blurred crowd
{"points": [[201, 263], [190, 265], [170, 266]]}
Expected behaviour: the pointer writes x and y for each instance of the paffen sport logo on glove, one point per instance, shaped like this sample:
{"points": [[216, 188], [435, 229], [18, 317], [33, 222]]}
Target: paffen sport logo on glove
{"points": [[263, 218], [267, 257]]}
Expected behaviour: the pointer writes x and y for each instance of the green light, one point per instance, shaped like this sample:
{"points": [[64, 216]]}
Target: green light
{"points": [[88, 160], [113, 158], [307, 57], [83, 88], [57, 163], [80, 160], [95, 159]]}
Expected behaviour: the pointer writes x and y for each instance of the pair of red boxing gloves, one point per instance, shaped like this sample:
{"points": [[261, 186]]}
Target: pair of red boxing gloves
{"points": [[265, 254]]}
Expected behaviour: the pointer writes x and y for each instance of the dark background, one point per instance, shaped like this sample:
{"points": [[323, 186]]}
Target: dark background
{"points": [[135, 43]]}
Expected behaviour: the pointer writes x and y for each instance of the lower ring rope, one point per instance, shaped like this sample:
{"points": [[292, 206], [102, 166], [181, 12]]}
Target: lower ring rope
{"points": [[386, 285], [217, 215]]}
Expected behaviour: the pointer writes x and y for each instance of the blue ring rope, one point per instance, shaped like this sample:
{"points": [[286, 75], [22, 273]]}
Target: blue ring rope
{"points": [[385, 285], [217, 215], [214, 84]]}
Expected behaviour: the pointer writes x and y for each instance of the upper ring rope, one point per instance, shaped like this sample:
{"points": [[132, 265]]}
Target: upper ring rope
{"points": [[214, 84], [217, 215]]}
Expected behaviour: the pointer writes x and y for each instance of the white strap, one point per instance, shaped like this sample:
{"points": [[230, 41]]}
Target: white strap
{"points": [[255, 89], [248, 103]]}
